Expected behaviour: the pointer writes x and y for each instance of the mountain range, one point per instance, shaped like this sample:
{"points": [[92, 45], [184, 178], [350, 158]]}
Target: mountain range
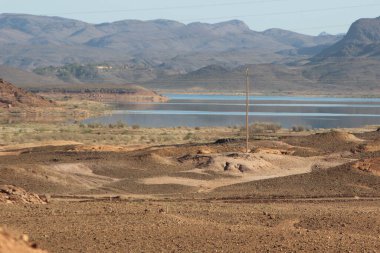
{"points": [[351, 65], [28, 42], [168, 55], [362, 40]]}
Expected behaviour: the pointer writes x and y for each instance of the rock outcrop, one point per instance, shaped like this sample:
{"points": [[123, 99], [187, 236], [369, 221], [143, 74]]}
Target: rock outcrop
{"points": [[16, 244], [11, 195], [11, 96]]}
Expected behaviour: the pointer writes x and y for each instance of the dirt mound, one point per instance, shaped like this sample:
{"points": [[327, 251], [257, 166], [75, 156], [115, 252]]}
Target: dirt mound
{"points": [[262, 163], [108, 148], [11, 96], [12, 194], [328, 142], [16, 244], [336, 136], [371, 166], [235, 168], [38, 145], [373, 146]]}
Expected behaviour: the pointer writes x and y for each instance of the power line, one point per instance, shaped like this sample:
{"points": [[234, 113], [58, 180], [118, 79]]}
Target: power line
{"points": [[172, 7], [319, 27], [240, 16], [237, 16], [241, 80], [225, 4], [288, 12]]}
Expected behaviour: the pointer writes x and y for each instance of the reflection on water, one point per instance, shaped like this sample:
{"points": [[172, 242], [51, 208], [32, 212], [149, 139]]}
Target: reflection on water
{"points": [[218, 110]]}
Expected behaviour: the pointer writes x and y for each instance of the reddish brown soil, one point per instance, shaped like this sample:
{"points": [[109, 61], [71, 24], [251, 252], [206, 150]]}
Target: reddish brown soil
{"points": [[10, 243], [200, 226], [134, 94], [10, 194], [117, 200], [11, 96], [371, 166], [325, 143]]}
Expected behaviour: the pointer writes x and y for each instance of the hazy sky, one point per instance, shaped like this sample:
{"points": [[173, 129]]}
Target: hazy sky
{"points": [[304, 16]]}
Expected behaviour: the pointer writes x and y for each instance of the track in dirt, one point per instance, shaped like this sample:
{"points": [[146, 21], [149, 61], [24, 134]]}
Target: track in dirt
{"points": [[321, 199], [70, 168]]}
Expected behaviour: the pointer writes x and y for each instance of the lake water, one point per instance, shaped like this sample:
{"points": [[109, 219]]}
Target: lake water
{"points": [[220, 110]]}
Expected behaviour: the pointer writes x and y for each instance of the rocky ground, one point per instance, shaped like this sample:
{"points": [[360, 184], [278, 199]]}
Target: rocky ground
{"points": [[10, 242], [310, 193], [200, 226], [11, 96], [10, 194]]}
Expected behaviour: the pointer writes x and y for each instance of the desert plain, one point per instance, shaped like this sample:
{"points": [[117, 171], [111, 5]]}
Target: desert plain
{"points": [[80, 188]]}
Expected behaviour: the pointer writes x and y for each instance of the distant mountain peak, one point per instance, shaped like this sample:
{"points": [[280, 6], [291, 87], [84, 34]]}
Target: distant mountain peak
{"points": [[365, 30], [231, 25], [362, 39], [29, 41], [234, 23], [324, 34], [167, 22]]}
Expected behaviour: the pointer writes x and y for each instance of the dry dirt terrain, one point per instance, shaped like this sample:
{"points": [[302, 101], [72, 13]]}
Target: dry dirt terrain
{"points": [[11, 96], [10, 242], [295, 193]]}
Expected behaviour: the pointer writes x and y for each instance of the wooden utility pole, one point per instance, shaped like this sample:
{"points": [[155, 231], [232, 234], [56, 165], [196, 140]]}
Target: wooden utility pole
{"points": [[247, 111]]}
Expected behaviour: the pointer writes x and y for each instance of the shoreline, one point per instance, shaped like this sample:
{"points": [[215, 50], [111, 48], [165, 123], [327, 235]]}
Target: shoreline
{"points": [[266, 94]]}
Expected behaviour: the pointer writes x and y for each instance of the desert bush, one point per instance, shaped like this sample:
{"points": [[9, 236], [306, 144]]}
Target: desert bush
{"points": [[41, 129], [169, 138], [94, 125], [87, 131], [120, 124], [188, 136], [264, 127], [124, 132], [135, 127], [38, 138], [300, 128]]}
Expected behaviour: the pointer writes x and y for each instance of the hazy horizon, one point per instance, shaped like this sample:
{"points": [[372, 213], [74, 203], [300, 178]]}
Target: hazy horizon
{"points": [[333, 17]]}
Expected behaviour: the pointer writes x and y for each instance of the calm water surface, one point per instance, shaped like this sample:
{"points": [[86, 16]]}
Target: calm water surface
{"points": [[219, 110]]}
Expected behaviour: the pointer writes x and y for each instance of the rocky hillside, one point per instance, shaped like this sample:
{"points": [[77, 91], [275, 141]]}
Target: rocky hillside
{"points": [[352, 65], [27, 79], [354, 76], [11, 96], [362, 40]]}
